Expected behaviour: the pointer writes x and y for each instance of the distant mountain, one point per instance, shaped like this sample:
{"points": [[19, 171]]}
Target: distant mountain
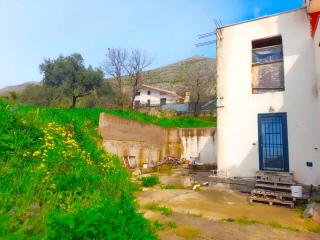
{"points": [[17, 88]]}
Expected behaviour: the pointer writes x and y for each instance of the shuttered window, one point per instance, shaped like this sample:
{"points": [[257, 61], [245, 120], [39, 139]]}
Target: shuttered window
{"points": [[267, 65]]}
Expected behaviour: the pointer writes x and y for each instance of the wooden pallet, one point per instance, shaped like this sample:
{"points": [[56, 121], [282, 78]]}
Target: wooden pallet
{"points": [[275, 186], [277, 194], [271, 201], [279, 177]]}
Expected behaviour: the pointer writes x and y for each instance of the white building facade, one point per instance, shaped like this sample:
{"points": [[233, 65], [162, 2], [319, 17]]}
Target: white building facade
{"points": [[268, 96], [153, 96]]}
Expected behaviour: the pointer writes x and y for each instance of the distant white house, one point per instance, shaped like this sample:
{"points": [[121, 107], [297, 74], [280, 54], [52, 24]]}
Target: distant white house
{"points": [[153, 96], [268, 91]]}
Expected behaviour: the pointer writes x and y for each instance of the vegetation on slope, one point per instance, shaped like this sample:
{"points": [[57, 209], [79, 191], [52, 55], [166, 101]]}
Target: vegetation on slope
{"points": [[169, 122], [57, 183]]}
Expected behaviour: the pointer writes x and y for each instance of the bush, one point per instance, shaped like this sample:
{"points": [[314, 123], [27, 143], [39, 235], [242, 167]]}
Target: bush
{"points": [[150, 181]]}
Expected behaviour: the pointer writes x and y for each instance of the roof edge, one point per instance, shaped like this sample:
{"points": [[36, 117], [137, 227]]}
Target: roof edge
{"points": [[263, 17]]}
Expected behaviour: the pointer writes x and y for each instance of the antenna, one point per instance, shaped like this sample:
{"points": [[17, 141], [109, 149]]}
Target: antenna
{"points": [[217, 34]]}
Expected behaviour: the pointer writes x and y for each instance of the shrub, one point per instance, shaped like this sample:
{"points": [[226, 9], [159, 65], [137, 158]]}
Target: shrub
{"points": [[165, 211], [150, 181], [172, 224]]}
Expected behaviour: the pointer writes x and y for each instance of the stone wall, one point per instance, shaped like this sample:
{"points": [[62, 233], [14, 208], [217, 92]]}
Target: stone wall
{"points": [[146, 142]]}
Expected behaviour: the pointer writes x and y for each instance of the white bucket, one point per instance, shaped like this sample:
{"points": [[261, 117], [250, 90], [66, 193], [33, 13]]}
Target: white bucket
{"points": [[296, 191]]}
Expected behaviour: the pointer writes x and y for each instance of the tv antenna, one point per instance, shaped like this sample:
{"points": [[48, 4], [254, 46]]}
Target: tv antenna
{"points": [[217, 34]]}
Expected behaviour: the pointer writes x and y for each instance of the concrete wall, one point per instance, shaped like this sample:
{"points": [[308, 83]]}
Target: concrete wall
{"points": [[126, 137], [154, 97], [237, 133]]}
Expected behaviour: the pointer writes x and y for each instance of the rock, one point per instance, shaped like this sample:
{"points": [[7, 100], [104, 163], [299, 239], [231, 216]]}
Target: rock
{"points": [[312, 211], [205, 184], [308, 212], [196, 186]]}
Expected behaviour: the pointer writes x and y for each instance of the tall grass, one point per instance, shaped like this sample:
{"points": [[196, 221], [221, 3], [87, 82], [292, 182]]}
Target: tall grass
{"points": [[56, 181]]}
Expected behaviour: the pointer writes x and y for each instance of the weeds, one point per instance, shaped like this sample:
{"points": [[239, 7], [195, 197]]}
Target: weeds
{"points": [[172, 187], [172, 122], [152, 206], [172, 224], [158, 226], [165, 211], [248, 221], [150, 181]]}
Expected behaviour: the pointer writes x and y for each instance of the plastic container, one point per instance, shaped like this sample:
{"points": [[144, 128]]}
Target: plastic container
{"points": [[296, 191]]}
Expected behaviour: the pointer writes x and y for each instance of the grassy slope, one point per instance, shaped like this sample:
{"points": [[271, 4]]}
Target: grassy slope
{"points": [[57, 183], [173, 122], [175, 76]]}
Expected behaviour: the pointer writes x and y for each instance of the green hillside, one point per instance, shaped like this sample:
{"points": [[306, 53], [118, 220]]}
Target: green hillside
{"points": [[57, 182], [180, 76], [177, 77]]}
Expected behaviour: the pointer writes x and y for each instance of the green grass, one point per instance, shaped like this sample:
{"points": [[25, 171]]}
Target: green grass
{"points": [[158, 226], [172, 224], [172, 187], [173, 122], [248, 221], [165, 211], [149, 181], [57, 182], [152, 206]]}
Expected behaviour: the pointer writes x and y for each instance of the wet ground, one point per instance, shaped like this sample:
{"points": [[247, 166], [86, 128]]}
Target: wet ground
{"points": [[219, 213]]}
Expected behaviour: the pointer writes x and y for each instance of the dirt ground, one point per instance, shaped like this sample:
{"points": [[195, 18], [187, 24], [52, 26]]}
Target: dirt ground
{"points": [[219, 213]]}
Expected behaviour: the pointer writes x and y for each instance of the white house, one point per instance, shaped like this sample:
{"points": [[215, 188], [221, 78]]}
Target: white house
{"points": [[153, 96], [268, 95]]}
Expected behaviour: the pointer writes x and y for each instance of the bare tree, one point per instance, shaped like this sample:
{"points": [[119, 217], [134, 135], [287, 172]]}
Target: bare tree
{"points": [[116, 66], [137, 63], [199, 84]]}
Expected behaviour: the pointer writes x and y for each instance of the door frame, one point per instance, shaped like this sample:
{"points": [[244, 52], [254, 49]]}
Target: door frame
{"points": [[283, 115]]}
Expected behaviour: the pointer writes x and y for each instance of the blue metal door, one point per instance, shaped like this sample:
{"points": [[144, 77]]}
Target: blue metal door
{"points": [[273, 142]]}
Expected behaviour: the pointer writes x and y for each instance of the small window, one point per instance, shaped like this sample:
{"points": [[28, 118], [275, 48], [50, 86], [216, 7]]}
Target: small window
{"points": [[163, 101], [267, 65], [138, 94], [137, 104], [149, 92], [148, 103]]}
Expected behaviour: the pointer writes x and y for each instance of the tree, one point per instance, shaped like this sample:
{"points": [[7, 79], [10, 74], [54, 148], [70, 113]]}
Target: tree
{"points": [[200, 80], [115, 66], [70, 75], [137, 63]]}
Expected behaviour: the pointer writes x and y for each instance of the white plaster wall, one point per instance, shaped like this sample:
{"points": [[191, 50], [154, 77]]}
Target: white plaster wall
{"points": [[154, 97], [198, 145], [237, 134]]}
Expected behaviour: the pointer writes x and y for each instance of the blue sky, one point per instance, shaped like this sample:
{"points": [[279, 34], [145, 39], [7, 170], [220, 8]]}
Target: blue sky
{"points": [[31, 30]]}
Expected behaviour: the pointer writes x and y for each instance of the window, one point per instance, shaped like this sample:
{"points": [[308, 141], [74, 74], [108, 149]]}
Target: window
{"points": [[148, 103], [149, 92], [136, 104], [163, 101], [138, 94], [267, 65]]}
